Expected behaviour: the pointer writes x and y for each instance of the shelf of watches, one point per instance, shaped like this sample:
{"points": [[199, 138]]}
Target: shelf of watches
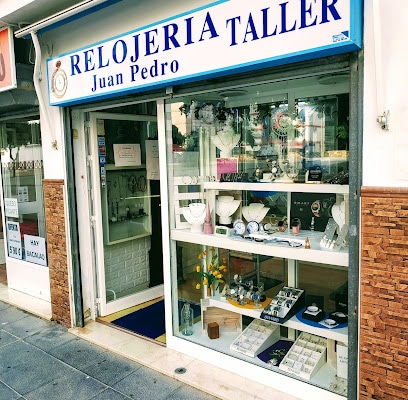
{"points": [[285, 238], [256, 337], [244, 292], [325, 377], [306, 356]]}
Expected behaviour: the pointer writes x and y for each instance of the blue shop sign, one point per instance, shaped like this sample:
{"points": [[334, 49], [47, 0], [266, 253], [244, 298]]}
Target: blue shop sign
{"points": [[224, 37]]}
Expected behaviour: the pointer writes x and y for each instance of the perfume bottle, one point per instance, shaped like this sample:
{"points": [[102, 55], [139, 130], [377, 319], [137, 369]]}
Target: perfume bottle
{"points": [[187, 320], [208, 230]]}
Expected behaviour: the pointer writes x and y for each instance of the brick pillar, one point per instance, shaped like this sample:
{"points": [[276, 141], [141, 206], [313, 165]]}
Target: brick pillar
{"points": [[384, 294], [57, 251]]}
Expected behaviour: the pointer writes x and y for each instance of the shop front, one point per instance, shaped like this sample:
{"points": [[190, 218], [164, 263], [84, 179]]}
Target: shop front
{"points": [[23, 232], [213, 156]]}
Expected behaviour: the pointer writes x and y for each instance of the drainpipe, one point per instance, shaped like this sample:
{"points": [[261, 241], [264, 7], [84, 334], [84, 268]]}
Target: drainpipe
{"points": [[37, 79]]}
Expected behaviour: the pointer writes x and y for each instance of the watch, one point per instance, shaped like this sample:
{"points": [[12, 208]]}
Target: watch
{"points": [[239, 227], [59, 81], [252, 227], [267, 226], [315, 207]]}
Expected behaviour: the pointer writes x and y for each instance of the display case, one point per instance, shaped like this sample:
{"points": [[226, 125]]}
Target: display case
{"points": [[272, 185], [125, 204], [276, 243]]}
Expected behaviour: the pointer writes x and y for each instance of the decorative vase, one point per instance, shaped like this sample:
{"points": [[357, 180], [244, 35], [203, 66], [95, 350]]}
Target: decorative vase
{"points": [[208, 229], [209, 291], [187, 320]]}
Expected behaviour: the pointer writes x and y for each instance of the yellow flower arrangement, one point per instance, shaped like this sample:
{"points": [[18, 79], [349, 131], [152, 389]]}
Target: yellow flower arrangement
{"points": [[215, 272]]}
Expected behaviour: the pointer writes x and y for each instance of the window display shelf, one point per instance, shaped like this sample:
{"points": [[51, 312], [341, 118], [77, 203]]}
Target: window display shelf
{"points": [[339, 334], [126, 204], [278, 187], [314, 254], [321, 381]]}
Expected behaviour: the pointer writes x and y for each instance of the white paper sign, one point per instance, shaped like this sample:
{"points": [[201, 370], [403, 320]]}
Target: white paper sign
{"points": [[14, 240], [127, 155], [11, 207], [152, 159], [22, 194], [35, 250], [342, 361]]}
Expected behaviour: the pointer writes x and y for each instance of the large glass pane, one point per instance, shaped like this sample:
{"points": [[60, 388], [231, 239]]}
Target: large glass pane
{"points": [[22, 175], [245, 167], [128, 197]]}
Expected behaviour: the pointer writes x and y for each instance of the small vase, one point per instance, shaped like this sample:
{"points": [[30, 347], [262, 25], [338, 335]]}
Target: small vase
{"points": [[187, 320], [209, 291]]}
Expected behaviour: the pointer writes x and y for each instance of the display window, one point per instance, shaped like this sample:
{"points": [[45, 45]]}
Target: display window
{"points": [[258, 189], [22, 176]]}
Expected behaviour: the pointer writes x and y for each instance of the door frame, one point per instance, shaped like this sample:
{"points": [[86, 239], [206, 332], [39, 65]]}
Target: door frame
{"points": [[102, 307]]}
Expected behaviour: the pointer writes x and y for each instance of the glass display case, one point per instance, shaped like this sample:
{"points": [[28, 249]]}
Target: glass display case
{"points": [[125, 204], [270, 183]]}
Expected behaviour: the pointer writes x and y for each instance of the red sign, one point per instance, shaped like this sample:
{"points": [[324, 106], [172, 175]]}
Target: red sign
{"points": [[7, 65]]}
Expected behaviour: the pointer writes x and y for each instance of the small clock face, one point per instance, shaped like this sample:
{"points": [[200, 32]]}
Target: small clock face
{"points": [[60, 83], [267, 226], [239, 227], [252, 227]]}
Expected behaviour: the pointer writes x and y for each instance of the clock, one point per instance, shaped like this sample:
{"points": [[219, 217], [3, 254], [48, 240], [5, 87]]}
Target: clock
{"points": [[239, 227], [221, 230], [59, 81], [252, 227]]}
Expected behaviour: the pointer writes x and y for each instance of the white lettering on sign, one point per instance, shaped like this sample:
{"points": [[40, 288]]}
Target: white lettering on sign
{"points": [[244, 35]]}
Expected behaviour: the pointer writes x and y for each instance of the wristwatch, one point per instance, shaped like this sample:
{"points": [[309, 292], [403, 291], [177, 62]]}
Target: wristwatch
{"points": [[315, 207]]}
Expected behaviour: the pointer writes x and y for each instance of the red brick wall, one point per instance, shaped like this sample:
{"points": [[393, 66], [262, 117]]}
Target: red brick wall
{"points": [[384, 294], [57, 251]]}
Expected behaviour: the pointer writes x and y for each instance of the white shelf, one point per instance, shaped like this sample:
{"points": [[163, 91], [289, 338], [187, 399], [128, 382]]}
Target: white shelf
{"points": [[113, 167], [322, 379], [278, 187], [339, 334], [314, 254]]}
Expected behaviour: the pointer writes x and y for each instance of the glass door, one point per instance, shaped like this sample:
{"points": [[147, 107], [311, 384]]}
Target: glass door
{"points": [[126, 201]]}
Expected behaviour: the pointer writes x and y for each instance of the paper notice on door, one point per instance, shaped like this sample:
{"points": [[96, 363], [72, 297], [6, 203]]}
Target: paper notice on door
{"points": [[127, 155], [152, 159]]}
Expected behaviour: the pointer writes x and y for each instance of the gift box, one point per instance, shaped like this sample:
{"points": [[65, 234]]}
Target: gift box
{"points": [[213, 330], [313, 313]]}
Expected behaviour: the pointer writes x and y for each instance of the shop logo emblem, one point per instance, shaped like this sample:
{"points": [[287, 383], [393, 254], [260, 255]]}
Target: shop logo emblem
{"points": [[59, 81], [340, 37]]}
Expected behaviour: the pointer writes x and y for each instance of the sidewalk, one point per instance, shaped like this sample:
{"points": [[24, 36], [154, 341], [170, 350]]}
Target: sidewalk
{"points": [[41, 360]]}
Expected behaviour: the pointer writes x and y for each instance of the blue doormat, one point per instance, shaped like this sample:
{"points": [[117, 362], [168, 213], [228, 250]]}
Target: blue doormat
{"points": [[149, 321]]}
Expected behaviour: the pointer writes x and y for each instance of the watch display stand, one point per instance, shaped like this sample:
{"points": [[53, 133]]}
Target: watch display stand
{"points": [[306, 356], [256, 337], [284, 305]]}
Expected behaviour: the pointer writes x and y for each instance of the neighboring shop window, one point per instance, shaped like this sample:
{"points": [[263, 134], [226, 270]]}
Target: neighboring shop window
{"points": [[22, 175]]}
